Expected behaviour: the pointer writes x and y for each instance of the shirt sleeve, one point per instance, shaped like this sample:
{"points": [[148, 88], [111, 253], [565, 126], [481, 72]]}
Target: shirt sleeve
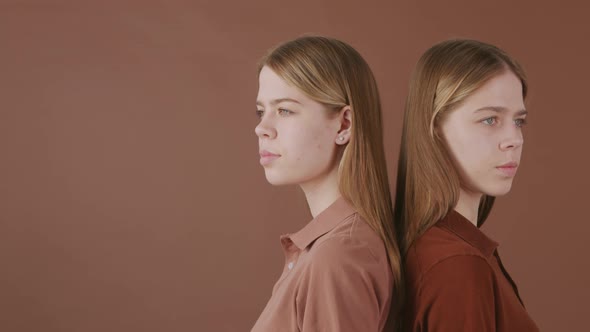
{"points": [[457, 294], [346, 288]]}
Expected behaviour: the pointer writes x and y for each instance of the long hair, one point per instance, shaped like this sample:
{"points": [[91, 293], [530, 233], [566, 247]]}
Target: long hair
{"points": [[333, 73], [428, 183]]}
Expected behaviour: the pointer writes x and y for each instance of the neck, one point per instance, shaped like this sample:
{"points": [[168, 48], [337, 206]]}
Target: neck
{"points": [[468, 205], [321, 193]]}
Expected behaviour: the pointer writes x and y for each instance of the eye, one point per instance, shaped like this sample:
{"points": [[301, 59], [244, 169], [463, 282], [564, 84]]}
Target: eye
{"points": [[259, 113], [520, 122], [284, 111], [489, 121]]}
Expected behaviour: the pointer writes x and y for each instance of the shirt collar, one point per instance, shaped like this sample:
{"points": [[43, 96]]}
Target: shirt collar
{"points": [[323, 223], [458, 224]]}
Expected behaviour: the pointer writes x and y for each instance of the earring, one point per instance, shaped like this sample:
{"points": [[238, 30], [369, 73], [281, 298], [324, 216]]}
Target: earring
{"points": [[341, 138]]}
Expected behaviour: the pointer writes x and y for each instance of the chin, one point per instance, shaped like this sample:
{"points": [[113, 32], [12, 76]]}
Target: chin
{"points": [[276, 181], [498, 190], [275, 178], [283, 177]]}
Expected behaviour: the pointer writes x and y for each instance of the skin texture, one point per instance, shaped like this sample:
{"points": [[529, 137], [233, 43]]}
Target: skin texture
{"points": [[303, 137], [483, 133]]}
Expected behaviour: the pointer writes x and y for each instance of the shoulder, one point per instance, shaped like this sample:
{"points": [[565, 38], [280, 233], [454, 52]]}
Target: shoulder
{"points": [[347, 261], [351, 248], [465, 269], [351, 240], [439, 246], [457, 293]]}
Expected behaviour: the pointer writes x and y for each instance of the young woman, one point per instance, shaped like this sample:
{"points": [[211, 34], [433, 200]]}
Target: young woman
{"points": [[461, 145], [320, 128]]}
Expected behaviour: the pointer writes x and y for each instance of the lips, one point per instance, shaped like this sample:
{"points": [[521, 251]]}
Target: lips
{"points": [[267, 157], [508, 169], [264, 153]]}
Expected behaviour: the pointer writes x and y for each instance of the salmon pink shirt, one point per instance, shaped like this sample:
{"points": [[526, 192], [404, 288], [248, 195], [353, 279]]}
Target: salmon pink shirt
{"points": [[336, 277]]}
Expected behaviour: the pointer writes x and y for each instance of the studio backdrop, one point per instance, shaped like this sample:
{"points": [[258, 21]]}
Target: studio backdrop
{"points": [[131, 197]]}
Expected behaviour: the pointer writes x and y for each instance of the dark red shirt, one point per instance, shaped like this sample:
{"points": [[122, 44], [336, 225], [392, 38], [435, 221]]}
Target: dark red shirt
{"points": [[456, 282]]}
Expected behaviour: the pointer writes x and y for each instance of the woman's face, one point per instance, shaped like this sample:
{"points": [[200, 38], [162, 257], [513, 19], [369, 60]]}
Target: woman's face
{"points": [[297, 136], [484, 135]]}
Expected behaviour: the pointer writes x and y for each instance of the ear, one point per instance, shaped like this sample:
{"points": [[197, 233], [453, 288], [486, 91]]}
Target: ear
{"points": [[345, 119]]}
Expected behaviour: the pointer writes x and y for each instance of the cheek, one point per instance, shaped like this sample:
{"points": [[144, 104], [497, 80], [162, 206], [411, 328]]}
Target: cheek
{"points": [[318, 134], [471, 150], [307, 142]]}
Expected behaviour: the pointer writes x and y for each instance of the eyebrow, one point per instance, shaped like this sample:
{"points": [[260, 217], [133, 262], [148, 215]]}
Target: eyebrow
{"points": [[500, 109], [278, 101]]}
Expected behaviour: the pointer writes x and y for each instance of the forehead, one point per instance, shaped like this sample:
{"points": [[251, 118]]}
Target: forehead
{"points": [[271, 87], [503, 90]]}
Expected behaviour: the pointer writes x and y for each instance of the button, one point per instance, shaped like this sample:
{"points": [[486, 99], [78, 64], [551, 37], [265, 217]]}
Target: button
{"points": [[290, 266]]}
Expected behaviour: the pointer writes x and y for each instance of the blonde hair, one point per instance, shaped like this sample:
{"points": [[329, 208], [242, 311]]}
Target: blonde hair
{"points": [[333, 73], [428, 183]]}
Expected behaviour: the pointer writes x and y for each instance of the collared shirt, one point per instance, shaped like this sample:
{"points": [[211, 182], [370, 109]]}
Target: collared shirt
{"points": [[456, 282], [336, 277]]}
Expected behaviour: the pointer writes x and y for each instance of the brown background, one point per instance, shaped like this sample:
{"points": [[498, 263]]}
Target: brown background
{"points": [[131, 198]]}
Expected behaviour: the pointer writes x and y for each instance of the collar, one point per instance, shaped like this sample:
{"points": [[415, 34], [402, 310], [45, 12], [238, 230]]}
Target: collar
{"points": [[323, 223], [462, 227]]}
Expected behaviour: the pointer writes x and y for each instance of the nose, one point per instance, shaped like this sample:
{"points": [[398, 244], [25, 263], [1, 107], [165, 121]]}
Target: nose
{"points": [[265, 128], [512, 139]]}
